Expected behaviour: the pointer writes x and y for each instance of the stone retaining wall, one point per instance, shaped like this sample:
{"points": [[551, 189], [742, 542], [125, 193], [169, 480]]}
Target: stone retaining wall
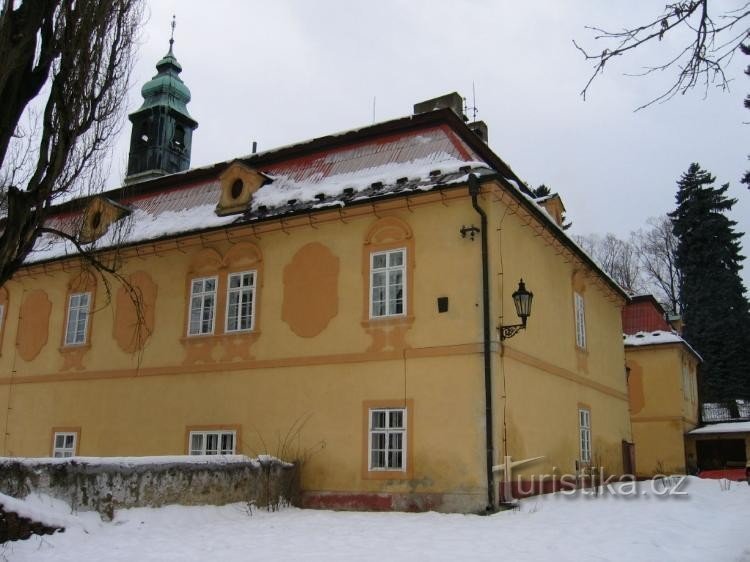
{"points": [[106, 484]]}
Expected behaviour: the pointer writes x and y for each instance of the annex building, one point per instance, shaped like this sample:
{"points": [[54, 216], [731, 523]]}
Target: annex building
{"points": [[347, 302]]}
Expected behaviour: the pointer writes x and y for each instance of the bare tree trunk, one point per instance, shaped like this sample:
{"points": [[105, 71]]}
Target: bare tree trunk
{"points": [[79, 54]]}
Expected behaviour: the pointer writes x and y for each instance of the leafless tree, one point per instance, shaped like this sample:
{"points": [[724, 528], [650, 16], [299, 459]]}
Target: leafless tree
{"points": [[656, 248], [63, 81], [619, 258], [712, 38]]}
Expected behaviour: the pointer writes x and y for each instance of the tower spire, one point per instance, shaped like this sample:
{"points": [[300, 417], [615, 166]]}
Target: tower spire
{"points": [[162, 127], [171, 37]]}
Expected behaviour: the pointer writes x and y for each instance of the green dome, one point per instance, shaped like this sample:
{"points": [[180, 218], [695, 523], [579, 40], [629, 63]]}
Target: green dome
{"points": [[166, 88]]}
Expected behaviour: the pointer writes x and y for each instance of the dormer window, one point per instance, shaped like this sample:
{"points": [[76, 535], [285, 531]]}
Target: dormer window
{"points": [[98, 216], [238, 183]]}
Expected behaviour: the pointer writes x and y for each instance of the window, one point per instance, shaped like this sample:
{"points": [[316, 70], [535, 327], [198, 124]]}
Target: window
{"points": [[387, 282], [584, 430], [387, 439], [78, 318], [580, 317], [240, 301], [212, 442], [64, 444], [202, 306], [178, 140]]}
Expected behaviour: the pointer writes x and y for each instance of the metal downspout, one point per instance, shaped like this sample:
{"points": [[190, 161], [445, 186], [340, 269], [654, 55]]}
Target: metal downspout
{"points": [[474, 189]]}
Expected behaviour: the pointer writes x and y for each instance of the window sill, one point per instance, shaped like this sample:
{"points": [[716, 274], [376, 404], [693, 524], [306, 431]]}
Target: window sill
{"points": [[387, 475], [248, 334], [385, 321], [74, 347]]}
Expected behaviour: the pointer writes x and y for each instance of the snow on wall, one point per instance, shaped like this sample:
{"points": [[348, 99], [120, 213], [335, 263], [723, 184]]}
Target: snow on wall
{"points": [[106, 484]]}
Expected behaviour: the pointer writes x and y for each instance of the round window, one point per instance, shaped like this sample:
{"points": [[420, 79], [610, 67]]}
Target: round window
{"points": [[96, 220], [237, 187]]}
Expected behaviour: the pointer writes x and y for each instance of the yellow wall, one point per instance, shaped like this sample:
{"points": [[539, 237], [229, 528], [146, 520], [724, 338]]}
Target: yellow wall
{"points": [[267, 384], [547, 376], [663, 405]]}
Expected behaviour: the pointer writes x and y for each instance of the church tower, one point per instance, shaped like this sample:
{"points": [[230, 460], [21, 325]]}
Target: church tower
{"points": [[162, 127]]}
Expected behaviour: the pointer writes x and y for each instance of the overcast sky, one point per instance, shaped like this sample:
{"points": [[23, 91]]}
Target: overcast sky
{"points": [[284, 71]]}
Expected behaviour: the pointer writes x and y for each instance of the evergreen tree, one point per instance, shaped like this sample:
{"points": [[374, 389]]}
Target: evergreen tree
{"points": [[541, 191], [713, 303]]}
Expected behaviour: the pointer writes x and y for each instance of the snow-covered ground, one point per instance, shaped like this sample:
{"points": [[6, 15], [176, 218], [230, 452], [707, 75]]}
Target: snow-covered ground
{"points": [[710, 522]]}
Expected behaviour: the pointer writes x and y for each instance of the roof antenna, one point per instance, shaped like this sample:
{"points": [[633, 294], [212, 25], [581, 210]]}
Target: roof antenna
{"points": [[473, 108]]}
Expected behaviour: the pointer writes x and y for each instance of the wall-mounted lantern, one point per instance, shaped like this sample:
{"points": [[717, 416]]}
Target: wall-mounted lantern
{"points": [[522, 300]]}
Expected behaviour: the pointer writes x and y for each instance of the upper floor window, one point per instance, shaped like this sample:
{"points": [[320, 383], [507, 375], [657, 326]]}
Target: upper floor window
{"points": [[580, 319], [388, 283], [240, 301], [64, 444], [584, 434], [387, 439], [78, 318], [212, 442], [202, 306]]}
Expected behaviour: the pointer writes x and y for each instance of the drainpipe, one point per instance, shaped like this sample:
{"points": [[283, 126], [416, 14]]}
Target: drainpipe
{"points": [[474, 189]]}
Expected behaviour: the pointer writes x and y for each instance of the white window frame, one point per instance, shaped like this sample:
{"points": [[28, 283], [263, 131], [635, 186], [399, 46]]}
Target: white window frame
{"points": [[75, 332], [243, 292], [202, 294], [202, 447], [387, 270], [579, 308], [64, 450], [388, 430], [584, 434]]}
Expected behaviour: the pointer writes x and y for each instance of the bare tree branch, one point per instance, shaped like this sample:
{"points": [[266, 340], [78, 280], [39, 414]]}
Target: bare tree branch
{"points": [[702, 61], [79, 55]]}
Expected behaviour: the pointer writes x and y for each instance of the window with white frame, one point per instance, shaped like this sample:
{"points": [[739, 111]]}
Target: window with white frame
{"points": [[580, 317], [213, 442], [202, 306], [387, 439], [584, 431], [387, 283], [240, 301], [78, 318], [64, 444]]}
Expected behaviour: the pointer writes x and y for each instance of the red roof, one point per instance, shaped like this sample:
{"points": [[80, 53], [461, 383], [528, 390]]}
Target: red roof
{"points": [[643, 315]]}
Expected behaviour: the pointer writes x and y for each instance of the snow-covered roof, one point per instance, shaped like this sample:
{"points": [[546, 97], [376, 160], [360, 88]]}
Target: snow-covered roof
{"points": [[726, 411], [420, 153], [418, 160], [725, 427], [652, 338], [658, 337]]}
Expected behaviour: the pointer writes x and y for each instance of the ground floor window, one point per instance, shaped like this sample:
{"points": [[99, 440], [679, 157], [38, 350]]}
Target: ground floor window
{"points": [[213, 442], [584, 431], [64, 444], [387, 439]]}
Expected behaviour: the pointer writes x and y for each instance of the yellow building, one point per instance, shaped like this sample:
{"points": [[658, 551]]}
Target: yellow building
{"points": [[663, 388], [324, 302]]}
